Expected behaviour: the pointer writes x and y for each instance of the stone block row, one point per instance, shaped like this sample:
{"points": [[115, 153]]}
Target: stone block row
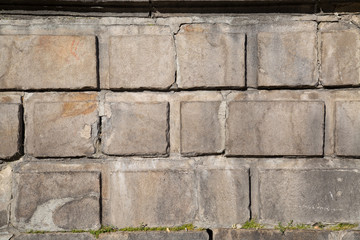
{"points": [[197, 56]]}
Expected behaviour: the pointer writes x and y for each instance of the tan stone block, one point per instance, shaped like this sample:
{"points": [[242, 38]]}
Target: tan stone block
{"points": [[156, 235], [10, 129], [56, 236], [45, 62], [5, 194]]}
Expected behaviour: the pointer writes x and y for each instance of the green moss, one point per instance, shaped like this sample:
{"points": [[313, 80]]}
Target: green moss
{"points": [[252, 224], [103, 229], [36, 232], [291, 226], [343, 226]]}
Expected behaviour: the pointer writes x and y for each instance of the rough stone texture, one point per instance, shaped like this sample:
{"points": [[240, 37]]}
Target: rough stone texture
{"points": [[275, 128], [46, 62], [309, 195], [223, 196], [5, 194], [347, 128], [210, 57], [5, 236], [142, 60], [56, 201], [201, 235], [287, 59], [201, 128], [60, 124], [136, 128], [10, 129], [56, 236], [340, 55]]}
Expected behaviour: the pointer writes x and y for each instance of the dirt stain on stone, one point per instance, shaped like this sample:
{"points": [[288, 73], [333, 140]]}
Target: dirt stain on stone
{"points": [[71, 109]]}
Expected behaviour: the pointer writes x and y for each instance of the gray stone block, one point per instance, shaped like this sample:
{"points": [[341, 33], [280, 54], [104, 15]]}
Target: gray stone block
{"points": [[56, 236], [287, 59], [192, 235], [55, 201], [46, 62], [10, 129], [347, 128], [136, 129], [142, 60], [275, 128], [61, 124], [209, 57], [308, 196], [5, 194], [201, 128]]}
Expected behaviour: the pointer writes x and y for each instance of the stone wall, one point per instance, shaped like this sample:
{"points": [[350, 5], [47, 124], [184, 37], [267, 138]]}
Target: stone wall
{"points": [[210, 120]]}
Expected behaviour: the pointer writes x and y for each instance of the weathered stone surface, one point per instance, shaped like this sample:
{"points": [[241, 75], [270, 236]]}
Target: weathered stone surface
{"points": [[136, 128], [287, 59], [347, 128], [142, 60], [60, 124], [340, 58], [308, 195], [5, 194], [210, 57], [56, 236], [154, 197], [56, 201], [223, 196], [201, 128], [10, 129], [200, 235], [45, 62], [275, 128], [5, 236]]}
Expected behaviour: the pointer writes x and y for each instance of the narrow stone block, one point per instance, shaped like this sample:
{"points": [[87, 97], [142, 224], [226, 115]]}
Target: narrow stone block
{"points": [[10, 129], [276, 128], [287, 59], [309, 196], [340, 58], [61, 124], [56, 236], [46, 62], [136, 128], [223, 196], [5, 194], [200, 235], [55, 201], [347, 128], [210, 58], [201, 128]]}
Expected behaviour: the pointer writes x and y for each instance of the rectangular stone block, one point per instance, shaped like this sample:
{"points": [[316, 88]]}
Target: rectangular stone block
{"points": [[201, 128], [10, 129], [223, 196], [153, 197], [308, 196], [192, 235], [275, 128], [5, 194], [138, 128], [47, 62], [287, 59], [142, 59], [210, 57], [57, 201], [61, 124], [347, 128], [56, 236]]}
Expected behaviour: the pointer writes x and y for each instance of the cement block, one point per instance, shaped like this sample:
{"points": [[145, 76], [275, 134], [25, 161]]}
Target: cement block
{"points": [[308, 195], [5, 194], [54, 201], [210, 58], [10, 129], [142, 60], [275, 128], [136, 128], [287, 59], [61, 124], [56, 236], [47, 62], [201, 128], [347, 128], [340, 58], [192, 235], [223, 196]]}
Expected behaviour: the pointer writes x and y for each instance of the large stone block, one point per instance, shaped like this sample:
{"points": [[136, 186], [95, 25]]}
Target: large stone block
{"points": [[201, 128], [10, 129], [45, 62], [347, 128], [61, 124], [142, 60], [136, 128], [287, 59], [200, 235], [275, 128], [308, 196], [54, 201], [56, 236], [210, 57], [5, 194], [340, 58]]}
